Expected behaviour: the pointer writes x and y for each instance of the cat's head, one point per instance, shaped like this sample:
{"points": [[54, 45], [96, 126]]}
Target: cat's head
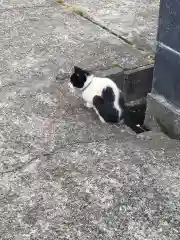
{"points": [[79, 77]]}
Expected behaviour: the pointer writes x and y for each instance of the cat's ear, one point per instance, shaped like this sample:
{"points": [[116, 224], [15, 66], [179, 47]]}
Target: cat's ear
{"points": [[78, 70]]}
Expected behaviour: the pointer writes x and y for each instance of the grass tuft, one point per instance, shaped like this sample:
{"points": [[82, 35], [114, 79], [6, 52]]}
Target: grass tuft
{"points": [[114, 65], [74, 9], [78, 10], [60, 1]]}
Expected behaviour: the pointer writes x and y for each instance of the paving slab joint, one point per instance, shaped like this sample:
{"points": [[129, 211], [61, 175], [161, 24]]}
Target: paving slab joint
{"points": [[84, 13]]}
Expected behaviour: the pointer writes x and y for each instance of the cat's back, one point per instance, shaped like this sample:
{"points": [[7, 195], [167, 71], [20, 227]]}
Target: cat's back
{"points": [[99, 84]]}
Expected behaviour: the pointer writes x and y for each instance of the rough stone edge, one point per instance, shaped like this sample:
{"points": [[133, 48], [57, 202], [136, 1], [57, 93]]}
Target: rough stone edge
{"points": [[111, 71], [119, 75], [162, 116], [139, 68]]}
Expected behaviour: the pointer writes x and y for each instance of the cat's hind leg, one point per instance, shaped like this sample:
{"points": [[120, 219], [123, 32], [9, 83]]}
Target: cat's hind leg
{"points": [[100, 118], [97, 100], [105, 110]]}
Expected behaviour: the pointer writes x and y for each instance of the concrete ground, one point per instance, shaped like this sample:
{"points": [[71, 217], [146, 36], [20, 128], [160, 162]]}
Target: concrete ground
{"points": [[135, 21], [63, 174]]}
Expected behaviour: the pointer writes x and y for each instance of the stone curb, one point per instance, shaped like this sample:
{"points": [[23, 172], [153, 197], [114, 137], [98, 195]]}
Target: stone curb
{"points": [[135, 83], [162, 116]]}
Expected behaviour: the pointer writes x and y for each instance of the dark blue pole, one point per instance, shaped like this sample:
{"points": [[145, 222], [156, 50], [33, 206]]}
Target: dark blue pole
{"points": [[164, 100]]}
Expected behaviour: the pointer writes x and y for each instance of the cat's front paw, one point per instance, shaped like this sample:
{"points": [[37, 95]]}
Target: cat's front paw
{"points": [[88, 105]]}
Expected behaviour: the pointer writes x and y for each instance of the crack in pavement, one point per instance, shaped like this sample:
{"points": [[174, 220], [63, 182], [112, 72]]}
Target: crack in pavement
{"points": [[82, 13]]}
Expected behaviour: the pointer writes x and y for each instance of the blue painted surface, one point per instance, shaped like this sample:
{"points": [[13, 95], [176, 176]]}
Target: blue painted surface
{"points": [[167, 75], [169, 23], [167, 64]]}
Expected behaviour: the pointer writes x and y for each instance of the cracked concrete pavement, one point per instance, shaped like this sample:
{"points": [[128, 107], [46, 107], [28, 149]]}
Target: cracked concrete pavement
{"points": [[63, 174], [135, 21]]}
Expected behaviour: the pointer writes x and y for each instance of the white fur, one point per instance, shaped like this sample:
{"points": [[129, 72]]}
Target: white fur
{"points": [[88, 105], [95, 86]]}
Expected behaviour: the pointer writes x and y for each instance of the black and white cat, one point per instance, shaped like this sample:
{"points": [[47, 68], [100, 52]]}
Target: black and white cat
{"points": [[101, 94]]}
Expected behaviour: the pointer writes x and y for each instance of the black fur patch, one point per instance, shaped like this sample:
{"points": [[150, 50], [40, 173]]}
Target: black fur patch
{"points": [[79, 77], [105, 106]]}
